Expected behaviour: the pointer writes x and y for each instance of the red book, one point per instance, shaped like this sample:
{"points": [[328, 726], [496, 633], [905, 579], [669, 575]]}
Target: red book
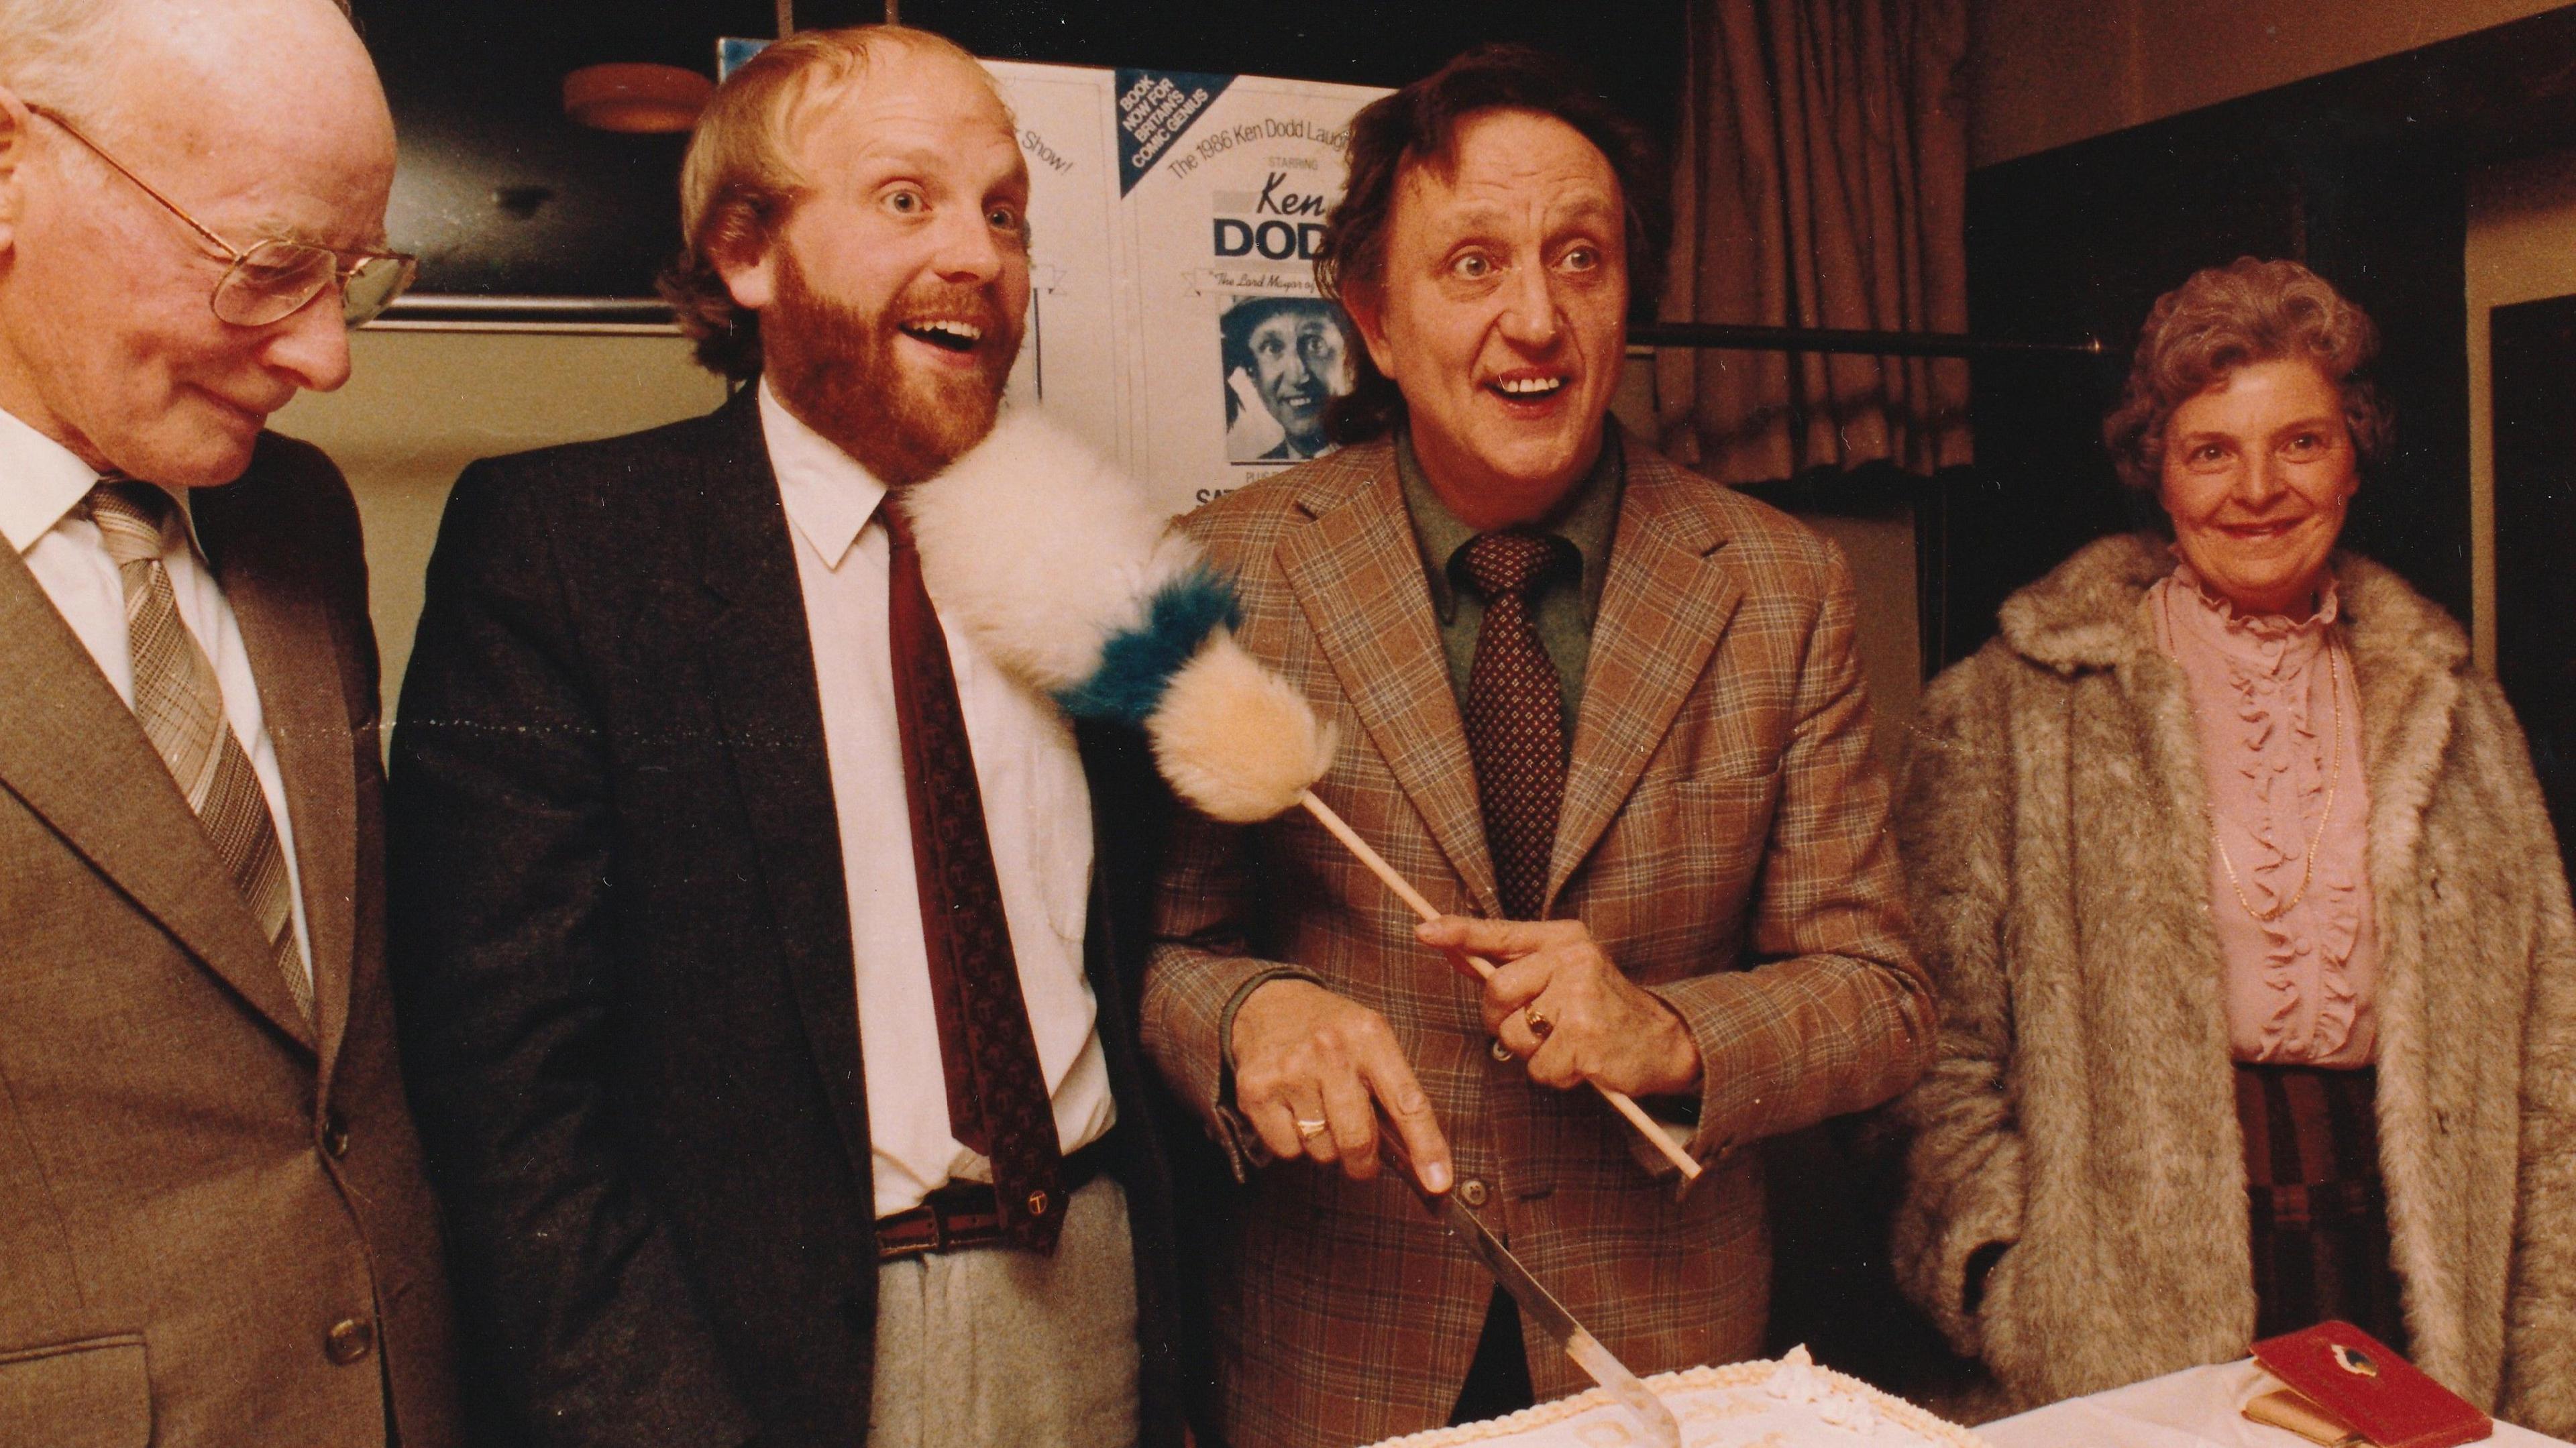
{"points": [[2385, 1398]]}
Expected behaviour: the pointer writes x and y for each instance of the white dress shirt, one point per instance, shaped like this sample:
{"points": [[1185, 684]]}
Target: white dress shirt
{"points": [[41, 487], [1037, 812]]}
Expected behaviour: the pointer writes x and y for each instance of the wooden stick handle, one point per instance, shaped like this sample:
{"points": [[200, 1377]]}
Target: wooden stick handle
{"points": [[1620, 1101], [1330, 819]]}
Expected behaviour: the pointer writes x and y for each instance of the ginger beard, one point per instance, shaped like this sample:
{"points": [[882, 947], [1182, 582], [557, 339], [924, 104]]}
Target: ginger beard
{"points": [[844, 373]]}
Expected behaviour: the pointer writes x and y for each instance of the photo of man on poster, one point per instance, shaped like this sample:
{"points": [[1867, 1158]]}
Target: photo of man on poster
{"points": [[1290, 355]]}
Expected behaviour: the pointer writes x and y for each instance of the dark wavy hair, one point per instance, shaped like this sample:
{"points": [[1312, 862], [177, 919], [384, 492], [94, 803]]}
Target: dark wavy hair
{"points": [[1418, 126], [2227, 317], [1236, 326]]}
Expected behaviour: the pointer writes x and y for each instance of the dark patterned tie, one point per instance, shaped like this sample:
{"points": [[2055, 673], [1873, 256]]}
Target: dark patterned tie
{"points": [[1515, 714], [181, 708], [997, 1094]]}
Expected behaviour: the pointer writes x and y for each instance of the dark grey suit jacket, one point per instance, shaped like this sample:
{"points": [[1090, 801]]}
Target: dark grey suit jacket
{"points": [[623, 957]]}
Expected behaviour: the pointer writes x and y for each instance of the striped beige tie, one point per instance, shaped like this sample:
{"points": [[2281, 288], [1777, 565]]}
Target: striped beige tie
{"points": [[182, 710]]}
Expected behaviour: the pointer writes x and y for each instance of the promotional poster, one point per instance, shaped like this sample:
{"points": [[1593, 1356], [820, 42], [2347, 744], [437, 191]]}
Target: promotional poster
{"points": [[1225, 183], [1072, 361], [1174, 321]]}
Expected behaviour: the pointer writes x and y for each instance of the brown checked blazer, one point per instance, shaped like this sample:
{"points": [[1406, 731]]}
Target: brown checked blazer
{"points": [[1724, 837], [214, 1229]]}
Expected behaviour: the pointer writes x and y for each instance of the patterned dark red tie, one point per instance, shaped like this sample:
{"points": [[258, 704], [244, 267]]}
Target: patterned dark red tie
{"points": [[1515, 714], [997, 1095]]}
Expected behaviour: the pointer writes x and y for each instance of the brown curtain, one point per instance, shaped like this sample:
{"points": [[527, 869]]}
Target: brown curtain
{"points": [[1821, 181]]}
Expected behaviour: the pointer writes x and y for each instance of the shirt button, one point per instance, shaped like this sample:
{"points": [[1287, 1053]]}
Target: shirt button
{"points": [[1472, 1191], [335, 1134], [349, 1340]]}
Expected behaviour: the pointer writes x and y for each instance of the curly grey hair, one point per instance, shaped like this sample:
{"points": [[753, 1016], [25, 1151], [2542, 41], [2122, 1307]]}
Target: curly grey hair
{"points": [[2227, 317]]}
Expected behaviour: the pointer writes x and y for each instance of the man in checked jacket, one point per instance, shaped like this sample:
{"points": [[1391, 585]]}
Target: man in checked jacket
{"points": [[1608, 716]]}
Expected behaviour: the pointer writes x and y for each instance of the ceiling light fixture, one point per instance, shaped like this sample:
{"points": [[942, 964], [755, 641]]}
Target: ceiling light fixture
{"points": [[636, 98]]}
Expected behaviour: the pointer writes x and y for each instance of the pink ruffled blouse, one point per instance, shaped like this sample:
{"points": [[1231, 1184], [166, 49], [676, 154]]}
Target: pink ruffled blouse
{"points": [[2265, 693]]}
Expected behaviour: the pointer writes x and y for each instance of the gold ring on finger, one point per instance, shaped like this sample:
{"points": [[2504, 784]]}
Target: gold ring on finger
{"points": [[1309, 1130], [1539, 1025]]}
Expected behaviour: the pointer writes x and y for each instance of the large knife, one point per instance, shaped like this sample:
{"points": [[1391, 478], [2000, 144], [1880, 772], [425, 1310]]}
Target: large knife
{"points": [[1539, 1307]]}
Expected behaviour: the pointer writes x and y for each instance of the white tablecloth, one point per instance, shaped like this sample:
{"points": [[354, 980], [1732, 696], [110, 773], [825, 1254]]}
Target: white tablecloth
{"points": [[2195, 1408]]}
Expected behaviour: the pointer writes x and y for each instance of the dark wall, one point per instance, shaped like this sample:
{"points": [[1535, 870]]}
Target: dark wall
{"points": [[2534, 352], [1633, 47], [2360, 174], [501, 194]]}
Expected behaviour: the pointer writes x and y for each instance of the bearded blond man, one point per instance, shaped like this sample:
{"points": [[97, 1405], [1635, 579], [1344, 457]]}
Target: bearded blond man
{"points": [[758, 1115]]}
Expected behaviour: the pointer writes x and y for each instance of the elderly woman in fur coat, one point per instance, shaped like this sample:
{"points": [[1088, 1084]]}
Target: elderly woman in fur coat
{"points": [[2258, 982]]}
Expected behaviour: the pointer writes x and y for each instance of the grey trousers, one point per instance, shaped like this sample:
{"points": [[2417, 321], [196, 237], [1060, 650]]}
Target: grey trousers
{"points": [[995, 1347]]}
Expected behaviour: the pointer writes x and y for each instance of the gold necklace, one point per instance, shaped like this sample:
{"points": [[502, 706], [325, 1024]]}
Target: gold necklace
{"points": [[2334, 781]]}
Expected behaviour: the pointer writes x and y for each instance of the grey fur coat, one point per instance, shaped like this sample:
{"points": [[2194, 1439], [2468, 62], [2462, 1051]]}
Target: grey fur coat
{"points": [[2082, 1109]]}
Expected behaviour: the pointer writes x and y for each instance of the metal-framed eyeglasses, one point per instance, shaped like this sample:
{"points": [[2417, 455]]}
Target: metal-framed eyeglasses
{"points": [[271, 280]]}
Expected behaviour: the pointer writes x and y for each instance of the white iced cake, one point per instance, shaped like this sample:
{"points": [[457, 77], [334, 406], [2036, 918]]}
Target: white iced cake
{"points": [[1791, 1403]]}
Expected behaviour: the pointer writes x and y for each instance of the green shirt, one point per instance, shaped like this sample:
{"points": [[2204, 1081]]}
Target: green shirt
{"points": [[1587, 518]]}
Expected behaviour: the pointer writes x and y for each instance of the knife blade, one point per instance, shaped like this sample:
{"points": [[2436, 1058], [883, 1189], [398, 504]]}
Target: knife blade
{"points": [[1539, 1307]]}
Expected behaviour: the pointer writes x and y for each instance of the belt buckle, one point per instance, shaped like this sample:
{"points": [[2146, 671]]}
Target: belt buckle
{"points": [[937, 1216]]}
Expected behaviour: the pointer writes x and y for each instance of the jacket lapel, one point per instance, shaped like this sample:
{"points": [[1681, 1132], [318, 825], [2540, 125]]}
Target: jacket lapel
{"points": [[1665, 603], [1357, 573], [73, 753], [2405, 661], [295, 656], [759, 657]]}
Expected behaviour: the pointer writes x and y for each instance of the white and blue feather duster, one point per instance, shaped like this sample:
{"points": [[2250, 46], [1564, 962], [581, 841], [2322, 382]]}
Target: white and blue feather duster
{"points": [[1058, 568]]}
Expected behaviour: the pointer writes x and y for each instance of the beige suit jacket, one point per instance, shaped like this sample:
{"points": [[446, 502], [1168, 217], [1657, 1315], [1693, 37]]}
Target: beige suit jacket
{"points": [[213, 1224], [1723, 836]]}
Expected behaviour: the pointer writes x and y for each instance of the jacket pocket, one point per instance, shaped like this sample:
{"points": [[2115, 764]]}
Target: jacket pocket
{"points": [[2006, 1332], [96, 1393], [1684, 852]]}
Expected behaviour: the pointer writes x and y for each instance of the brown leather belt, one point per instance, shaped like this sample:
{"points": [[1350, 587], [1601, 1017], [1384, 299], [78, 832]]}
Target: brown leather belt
{"points": [[962, 1215]]}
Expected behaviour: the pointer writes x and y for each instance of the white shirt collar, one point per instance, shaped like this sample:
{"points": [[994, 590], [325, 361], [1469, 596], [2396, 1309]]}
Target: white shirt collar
{"points": [[828, 495], [41, 481]]}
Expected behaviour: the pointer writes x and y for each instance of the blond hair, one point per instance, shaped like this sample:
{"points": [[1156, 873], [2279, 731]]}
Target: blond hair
{"points": [[740, 176]]}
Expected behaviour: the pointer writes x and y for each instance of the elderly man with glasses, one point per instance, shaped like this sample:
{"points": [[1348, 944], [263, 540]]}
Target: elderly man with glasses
{"points": [[214, 1227]]}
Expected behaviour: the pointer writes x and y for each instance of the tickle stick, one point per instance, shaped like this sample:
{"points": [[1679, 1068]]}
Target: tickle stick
{"points": [[1620, 1101], [1059, 568]]}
